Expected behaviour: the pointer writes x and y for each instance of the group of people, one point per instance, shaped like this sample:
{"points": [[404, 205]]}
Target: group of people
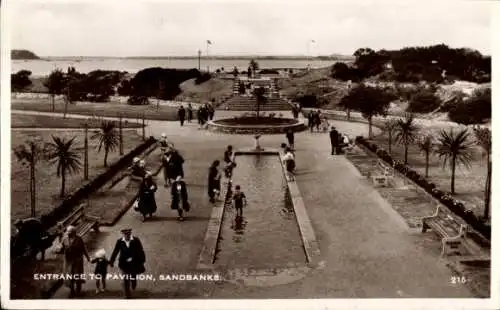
{"points": [[173, 173], [338, 141], [205, 112], [315, 120], [128, 249]]}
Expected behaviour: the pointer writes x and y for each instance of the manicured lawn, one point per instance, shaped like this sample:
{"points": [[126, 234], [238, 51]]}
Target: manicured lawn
{"points": [[45, 121], [469, 183], [100, 109], [48, 184]]}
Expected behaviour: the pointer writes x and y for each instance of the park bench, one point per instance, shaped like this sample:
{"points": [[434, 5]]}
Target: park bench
{"points": [[386, 175], [81, 221], [453, 234]]}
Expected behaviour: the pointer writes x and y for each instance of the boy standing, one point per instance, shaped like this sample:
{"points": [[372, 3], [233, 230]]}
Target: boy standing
{"points": [[240, 200]]}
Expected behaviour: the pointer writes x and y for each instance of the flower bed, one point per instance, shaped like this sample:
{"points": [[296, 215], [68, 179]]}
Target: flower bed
{"points": [[444, 197], [65, 208]]}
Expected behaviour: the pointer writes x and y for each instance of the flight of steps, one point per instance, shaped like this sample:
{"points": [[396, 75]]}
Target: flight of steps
{"points": [[241, 103]]}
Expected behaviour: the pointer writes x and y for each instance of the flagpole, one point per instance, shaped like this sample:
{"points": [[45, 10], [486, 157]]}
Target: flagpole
{"points": [[208, 64]]}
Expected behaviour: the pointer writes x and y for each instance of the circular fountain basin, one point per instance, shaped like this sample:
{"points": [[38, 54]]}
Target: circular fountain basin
{"points": [[254, 125]]}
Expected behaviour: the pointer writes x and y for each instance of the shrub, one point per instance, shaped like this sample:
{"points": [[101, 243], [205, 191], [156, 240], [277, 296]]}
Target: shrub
{"points": [[138, 100], [423, 102], [475, 110], [202, 78]]}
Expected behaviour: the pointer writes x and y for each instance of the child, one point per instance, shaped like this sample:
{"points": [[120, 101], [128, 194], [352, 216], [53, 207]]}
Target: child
{"points": [[101, 270], [289, 160], [240, 200]]}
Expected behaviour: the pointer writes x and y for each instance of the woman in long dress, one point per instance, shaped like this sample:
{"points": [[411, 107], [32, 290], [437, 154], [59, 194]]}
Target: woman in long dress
{"points": [[147, 202], [74, 250], [214, 177]]}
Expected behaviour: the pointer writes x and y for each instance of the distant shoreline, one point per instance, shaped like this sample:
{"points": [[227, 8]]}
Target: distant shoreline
{"points": [[82, 58]]}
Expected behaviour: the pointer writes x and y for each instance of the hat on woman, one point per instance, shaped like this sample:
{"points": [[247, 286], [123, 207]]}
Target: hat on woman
{"points": [[126, 230], [163, 135], [100, 253], [142, 163], [136, 160], [70, 229]]}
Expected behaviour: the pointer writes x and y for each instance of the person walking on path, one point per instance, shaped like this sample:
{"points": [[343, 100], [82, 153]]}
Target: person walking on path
{"points": [[214, 177], [164, 143], [199, 116], [101, 270], [74, 250], [229, 160], [290, 136], [189, 113], [165, 162], [310, 120], [182, 115], [131, 260], [180, 198], [177, 162], [211, 110], [147, 203], [334, 140], [289, 160], [239, 200], [317, 120], [31, 236]]}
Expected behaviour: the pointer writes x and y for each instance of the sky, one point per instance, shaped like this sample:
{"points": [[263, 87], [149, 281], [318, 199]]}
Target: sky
{"points": [[264, 27]]}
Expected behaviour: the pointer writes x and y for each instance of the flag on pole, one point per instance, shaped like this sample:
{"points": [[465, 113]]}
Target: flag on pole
{"points": [[209, 42]]}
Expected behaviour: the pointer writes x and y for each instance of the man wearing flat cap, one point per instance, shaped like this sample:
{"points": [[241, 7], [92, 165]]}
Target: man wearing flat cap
{"points": [[131, 260]]}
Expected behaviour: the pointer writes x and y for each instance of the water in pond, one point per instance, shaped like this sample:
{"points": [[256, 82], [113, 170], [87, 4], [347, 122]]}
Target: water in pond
{"points": [[267, 235]]}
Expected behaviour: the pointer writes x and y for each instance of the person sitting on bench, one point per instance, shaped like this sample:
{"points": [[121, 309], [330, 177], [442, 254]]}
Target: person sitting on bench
{"points": [[31, 236]]}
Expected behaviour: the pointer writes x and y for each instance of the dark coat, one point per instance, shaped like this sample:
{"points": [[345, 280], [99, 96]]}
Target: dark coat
{"points": [[147, 201], [290, 137], [134, 251], [334, 137], [213, 180], [175, 165], [182, 113], [179, 197]]}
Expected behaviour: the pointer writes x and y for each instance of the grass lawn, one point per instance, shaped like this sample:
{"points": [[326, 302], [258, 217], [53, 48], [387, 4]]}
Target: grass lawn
{"points": [[45, 121], [101, 109], [48, 184], [469, 183]]}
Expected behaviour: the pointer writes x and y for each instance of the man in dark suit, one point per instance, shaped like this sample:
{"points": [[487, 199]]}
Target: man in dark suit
{"points": [[132, 259], [334, 140], [182, 115]]}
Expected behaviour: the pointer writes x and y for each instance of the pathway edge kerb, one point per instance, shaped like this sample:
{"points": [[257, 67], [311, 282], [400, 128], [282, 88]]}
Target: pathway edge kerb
{"points": [[311, 245], [209, 249]]}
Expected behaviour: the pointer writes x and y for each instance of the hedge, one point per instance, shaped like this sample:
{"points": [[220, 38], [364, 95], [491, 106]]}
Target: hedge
{"points": [[68, 204], [444, 197]]}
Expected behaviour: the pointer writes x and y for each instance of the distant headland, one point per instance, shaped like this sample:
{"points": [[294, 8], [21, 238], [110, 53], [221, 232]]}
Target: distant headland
{"points": [[23, 54]]}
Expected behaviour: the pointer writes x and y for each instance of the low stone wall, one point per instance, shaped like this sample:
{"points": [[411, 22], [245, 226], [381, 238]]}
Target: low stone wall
{"points": [[255, 129]]}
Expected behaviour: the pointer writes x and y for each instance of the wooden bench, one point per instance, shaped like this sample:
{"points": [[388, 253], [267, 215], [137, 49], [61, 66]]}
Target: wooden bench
{"points": [[386, 175], [453, 234], [82, 222]]}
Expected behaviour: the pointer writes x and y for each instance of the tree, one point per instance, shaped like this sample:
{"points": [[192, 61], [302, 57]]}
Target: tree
{"points": [[483, 139], [67, 160], [390, 128], [20, 80], [406, 132], [454, 148], [424, 102], [254, 65], [341, 71], [259, 93], [370, 101], [475, 110], [108, 138], [31, 153], [426, 144], [55, 83]]}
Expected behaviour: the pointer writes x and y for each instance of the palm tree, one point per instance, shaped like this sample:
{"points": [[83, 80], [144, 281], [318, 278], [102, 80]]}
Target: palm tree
{"points": [[55, 84], [109, 138], [454, 148], [406, 132], [31, 153], [259, 93], [254, 65], [390, 128], [426, 144], [67, 160], [483, 139]]}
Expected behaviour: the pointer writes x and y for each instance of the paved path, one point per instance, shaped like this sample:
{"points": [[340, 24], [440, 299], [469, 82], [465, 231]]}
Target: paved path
{"points": [[367, 250]]}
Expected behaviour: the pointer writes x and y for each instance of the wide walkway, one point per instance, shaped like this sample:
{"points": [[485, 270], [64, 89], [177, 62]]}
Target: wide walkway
{"points": [[366, 249]]}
